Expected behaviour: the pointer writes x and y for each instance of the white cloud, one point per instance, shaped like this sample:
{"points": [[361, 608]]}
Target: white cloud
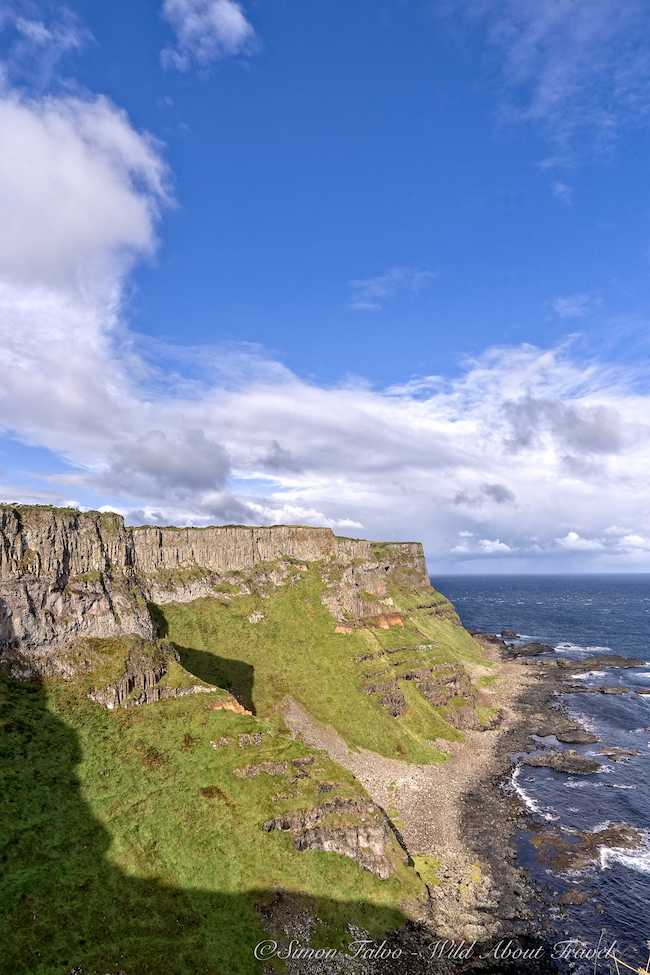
{"points": [[34, 46], [92, 209], [576, 543], [575, 67], [534, 441], [494, 546], [636, 542], [206, 31], [371, 294], [574, 306]]}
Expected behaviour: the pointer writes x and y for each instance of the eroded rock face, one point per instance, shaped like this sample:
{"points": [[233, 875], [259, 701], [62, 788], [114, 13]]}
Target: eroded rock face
{"points": [[65, 574], [355, 829], [140, 683]]}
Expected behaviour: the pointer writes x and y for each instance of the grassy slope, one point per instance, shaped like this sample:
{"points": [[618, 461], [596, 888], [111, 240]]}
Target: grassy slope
{"points": [[114, 856], [294, 651]]}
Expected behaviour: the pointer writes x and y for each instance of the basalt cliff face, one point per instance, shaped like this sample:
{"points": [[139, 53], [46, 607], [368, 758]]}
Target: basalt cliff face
{"points": [[65, 574]]}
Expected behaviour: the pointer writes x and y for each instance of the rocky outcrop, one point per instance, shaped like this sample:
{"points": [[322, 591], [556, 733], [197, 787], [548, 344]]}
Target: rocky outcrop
{"points": [[66, 574], [568, 761], [141, 681], [563, 850], [599, 663], [355, 829]]}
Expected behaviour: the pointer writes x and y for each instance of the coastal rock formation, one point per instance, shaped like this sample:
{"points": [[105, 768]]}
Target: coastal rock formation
{"points": [[568, 761], [65, 574], [575, 850], [351, 827], [599, 663], [141, 681]]}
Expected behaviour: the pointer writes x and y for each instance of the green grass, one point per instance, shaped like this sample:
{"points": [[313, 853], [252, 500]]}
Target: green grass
{"points": [[295, 652], [428, 868], [129, 844]]}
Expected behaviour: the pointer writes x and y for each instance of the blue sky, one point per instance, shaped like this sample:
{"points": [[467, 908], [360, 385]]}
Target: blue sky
{"points": [[381, 266]]}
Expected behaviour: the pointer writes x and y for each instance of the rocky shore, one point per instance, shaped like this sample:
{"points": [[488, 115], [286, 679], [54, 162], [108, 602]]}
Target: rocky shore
{"points": [[491, 815]]}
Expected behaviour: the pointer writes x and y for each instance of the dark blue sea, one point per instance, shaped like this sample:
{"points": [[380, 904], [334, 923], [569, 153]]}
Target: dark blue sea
{"points": [[584, 616]]}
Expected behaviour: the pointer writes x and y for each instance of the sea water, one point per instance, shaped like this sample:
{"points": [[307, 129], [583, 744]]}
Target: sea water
{"points": [[584, 616]]}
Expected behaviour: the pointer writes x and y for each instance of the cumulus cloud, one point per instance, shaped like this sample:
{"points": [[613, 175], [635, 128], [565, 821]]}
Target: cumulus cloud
{"points": [[576, 543], [584, 428], [371, 294], [174, 467], [92, 209], [469, 548], [206, 31]]}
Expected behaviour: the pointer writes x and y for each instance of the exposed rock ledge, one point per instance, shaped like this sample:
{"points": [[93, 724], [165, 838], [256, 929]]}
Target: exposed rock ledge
{"points": [[146, 666], [351, 827]]}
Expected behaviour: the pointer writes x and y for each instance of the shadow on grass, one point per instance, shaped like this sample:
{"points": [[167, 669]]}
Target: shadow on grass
{"points": [[65, 908], [234, 675]]}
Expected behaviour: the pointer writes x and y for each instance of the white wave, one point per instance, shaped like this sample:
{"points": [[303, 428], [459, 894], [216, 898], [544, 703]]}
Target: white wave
{"points": [[531, 804], [581, 784], [631, 787], [588, 674], [638, 859], [577, 648]]}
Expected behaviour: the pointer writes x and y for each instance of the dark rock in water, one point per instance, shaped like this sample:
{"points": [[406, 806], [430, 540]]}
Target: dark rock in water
{"points": [[613, 689], [576, 736], [487, 639], [533, 649], [574, 898], [563, 851], [566, 731], [569, 761], [599, 663], [351, 827], [508, 634], [618, 754]]}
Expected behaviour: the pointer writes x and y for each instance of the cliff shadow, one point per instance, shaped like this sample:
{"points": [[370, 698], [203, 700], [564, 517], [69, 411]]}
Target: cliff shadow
{"points": [[235, 676], [66, 909], [7, 633]]}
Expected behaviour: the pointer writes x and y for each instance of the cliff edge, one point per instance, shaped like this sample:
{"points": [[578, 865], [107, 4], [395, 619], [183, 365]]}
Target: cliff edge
{"points": [[66, 574]]}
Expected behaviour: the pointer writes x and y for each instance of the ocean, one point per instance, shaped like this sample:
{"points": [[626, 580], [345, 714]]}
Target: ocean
{"points": [[584, 616]]}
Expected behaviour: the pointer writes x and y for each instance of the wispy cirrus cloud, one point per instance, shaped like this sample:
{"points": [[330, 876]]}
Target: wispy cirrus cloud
{"points": [[206, 31], [35, 44], [573, 66], [577, 305], [371, 294]]}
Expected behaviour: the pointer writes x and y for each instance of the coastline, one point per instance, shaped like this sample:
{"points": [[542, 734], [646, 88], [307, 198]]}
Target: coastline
{"points": [[459, 813]]}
